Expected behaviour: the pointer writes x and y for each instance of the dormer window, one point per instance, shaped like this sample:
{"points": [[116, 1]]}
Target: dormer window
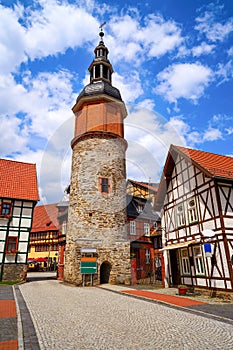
{"points": [[140, 208]]}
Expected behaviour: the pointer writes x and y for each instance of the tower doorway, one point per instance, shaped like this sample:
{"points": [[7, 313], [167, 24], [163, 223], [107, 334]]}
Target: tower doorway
{"points": [[105, 270]]}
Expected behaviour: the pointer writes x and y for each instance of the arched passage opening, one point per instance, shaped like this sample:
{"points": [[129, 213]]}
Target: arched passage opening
{"points": [[105, 270]]}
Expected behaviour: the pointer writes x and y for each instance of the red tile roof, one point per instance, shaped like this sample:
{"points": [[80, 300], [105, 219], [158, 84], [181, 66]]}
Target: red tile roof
{"points": [[146, 185], [215, 164], [45, 218], [18, 180]]}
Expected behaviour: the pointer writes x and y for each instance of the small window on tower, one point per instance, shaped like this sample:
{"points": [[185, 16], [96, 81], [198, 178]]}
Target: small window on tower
{"points": [[104, 183]]}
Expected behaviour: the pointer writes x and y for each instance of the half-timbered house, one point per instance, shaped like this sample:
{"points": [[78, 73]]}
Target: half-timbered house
{"points": [[196, 193], [18, 197], [43, 245]]}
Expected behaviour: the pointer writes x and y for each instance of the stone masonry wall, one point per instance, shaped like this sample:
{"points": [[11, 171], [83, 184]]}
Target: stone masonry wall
{"points": [[97, 220], [14, 272]]}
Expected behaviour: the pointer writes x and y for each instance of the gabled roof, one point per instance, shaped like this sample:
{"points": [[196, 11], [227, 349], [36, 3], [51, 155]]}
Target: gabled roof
{"points": [[151, 187], [45, 218], [213, 165], [18, 180]]}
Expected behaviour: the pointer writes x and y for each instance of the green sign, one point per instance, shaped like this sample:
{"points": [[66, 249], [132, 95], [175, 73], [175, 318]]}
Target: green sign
{"points": [[88, 267]]}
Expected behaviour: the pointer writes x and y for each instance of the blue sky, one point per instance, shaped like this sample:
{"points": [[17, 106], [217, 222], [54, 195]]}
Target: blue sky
{"points": [[173, 63]]}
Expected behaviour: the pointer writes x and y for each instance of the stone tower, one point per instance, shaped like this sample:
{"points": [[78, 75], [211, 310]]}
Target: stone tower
{"points": [[97, 208]]}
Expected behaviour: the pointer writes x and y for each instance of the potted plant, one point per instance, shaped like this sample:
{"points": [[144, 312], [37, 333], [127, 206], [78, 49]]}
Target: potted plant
{"points": [[182, 289]]}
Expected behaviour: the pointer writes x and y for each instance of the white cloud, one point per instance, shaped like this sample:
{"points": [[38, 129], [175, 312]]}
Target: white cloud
{"points": [[229, 131], [149, 136], [13, 137], [213, 29], [224, 72], [130, 86], [57, 26], [212, 134], [12, 41], [203, 49], [137, 42], [183, 80], [230, 51]]}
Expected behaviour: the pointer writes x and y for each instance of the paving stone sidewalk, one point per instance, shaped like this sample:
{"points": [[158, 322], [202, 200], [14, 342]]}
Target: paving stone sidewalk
{"points": [[8, 319], [205, 306], [90, 318]]}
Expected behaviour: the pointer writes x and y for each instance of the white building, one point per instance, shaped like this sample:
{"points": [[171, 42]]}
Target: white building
{"points": [[196, 193], [18, 196]]}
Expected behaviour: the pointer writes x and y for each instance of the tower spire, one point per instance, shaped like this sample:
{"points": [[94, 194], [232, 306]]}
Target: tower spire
{"points": [[101, 68], [101, 33]]}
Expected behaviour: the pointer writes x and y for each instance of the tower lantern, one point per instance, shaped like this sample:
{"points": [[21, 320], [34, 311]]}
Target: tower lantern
{"points": [[97, 208]]}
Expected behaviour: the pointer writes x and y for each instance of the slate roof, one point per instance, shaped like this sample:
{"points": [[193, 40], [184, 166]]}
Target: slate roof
{"points": [[18, 180], [45, 218], [147, 213], [100, 87]]}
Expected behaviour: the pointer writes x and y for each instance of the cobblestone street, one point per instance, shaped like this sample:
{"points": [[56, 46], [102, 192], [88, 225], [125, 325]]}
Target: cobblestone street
{"points": [[67, 317]]}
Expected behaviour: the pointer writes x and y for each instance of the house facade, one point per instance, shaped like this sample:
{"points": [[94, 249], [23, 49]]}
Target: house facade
{"points": [[196, 192], [18, 197], [43, 245]]}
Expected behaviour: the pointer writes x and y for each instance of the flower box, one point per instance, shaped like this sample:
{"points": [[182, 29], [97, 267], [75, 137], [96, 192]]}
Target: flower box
{"points": [[182, 289]]}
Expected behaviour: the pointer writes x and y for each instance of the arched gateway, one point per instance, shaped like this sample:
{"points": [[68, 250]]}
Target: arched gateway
{"points": [[105, 270]]}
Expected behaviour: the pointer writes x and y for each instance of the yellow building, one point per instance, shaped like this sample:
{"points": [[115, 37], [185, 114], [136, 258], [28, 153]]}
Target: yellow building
{"points": [[142, 189], [43, 245]]}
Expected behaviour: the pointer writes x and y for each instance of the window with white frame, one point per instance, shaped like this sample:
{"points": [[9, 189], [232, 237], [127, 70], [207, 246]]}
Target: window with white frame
{"points": [[185, 265], [132, 228], [147, 256], [192, 211], [180, 215], [146, 229], [198, 260]]}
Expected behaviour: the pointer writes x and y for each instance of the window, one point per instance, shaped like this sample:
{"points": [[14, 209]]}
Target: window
{"points": [[12, 244], [147, 256], [5, 209], [185, 266], [132, 228], [198, 260], [104, 185], [140, 208], [146, 229], [64, 227], [192, 211], [180, 215], [158, 242]]}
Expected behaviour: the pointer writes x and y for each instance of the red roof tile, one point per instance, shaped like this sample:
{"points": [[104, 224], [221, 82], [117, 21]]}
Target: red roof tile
{"points": [[18, 180], [146, 185], [214, 164], [45, 218]]}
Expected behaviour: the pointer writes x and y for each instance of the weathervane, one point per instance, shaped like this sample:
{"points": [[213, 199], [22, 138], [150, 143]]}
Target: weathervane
{"points": [[101, 26], [101, 34]]}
